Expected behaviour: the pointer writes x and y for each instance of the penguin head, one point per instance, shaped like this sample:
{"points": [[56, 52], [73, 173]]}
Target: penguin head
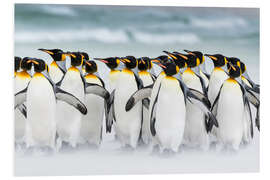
{"points": [[76, 58], [90, 66], [26, 64], [199, 55], [218, 59], [129, 61], [169, 68], [85, 55], [177, 59], [190, 60], [233, 70], [144, 63], [161, 59], [236, 62], [56, 54], [39, 65], [17, 62], [111, 62]]}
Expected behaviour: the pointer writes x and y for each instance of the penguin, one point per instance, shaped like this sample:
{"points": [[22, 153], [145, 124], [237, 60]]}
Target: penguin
{"points": [[21, 79], [91, 125], [144, 64], [68, 120], [218, 75], [253, 90], [202, 69], [171, 100], [115, 66], [196, 127], [178, 60], [40, 96], [57, 67], [127, 124], [230, 105], [86, 57]]}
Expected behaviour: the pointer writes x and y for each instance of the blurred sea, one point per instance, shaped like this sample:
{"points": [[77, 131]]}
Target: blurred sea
{"points": [[104, 31]]}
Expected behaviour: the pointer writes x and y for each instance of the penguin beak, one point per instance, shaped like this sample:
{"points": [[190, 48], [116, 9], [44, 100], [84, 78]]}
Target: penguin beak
{"points": [[102, 60], [155, 61], [32, 61], [189, 52], [231, 66], [170, 54], [211, 57], [183, 56], [47, 51]]}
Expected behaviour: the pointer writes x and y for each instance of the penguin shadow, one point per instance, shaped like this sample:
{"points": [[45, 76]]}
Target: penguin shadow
{"points": [[67, 148], [39, 151], [165, 153]]}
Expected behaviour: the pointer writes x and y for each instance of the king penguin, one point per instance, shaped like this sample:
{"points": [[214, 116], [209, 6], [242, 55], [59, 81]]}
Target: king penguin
{"points": [[68, 119], [40, 96], [91, 125], [127, 124], [196, 134], [58, 65], [144, 63], [21, 80], [170, 100], [229, 106]]}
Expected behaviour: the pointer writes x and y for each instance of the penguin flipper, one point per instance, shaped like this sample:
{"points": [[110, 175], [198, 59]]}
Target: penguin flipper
{"points": [[153, 114], [153, 77], [207, 75], [203, 85], [246, 96], [22, 108], [197, 98], [70, 99], [257, 120], [138, 96], [20, 97], [91, 88], [138, 81], [110, 114]]}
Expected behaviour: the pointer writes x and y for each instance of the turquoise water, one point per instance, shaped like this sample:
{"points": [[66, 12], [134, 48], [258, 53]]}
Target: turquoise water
{"points": [[135, 30]]}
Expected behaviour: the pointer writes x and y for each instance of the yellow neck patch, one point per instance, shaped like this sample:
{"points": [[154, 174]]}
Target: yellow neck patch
{"points": [[53, 64], [38, 74], [231, 80], [114, 71], [90, 76], [73, 68], [170, 78], [143, 73], [218, 69], [128, 71], [23, 75], [189, 71]]}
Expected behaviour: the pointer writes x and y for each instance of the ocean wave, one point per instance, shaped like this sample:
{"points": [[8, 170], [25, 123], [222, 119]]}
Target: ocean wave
{"points": [[219, 23], [104, 35], [58, 10]]}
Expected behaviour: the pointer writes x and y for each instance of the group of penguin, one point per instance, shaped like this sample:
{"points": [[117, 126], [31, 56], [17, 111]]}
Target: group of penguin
{"points": [[182, 105]]}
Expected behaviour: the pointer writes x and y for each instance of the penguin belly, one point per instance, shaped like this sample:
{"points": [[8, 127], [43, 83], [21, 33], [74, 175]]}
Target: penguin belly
{"points": [[128, 124], [55, 73], [170, 115], [113, 76], [21, 81], [230, 114], [195, 130], [69, 118], [41, 105], [91, 124], [217, 78], [146, 133]]}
